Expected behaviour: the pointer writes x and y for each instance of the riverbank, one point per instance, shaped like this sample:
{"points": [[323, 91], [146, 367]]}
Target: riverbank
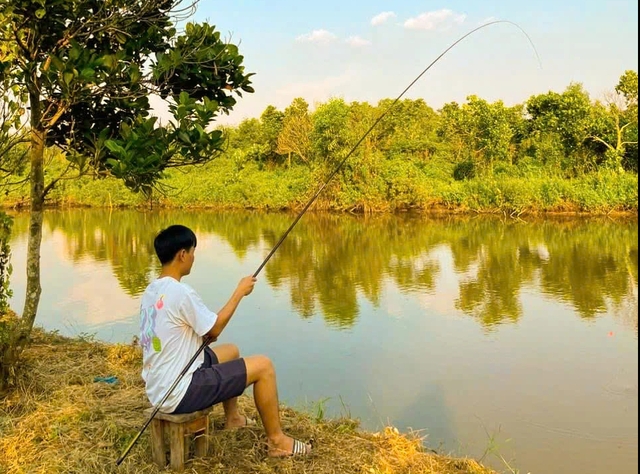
{"points": [[58, 419], [221, 185], [433, 210]]}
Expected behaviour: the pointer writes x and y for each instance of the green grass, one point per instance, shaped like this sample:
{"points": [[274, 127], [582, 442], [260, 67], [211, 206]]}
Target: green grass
{"points": [[381, 185]]}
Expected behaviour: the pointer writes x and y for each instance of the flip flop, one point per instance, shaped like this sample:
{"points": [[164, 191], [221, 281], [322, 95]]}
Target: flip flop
{"points": [[299, 448]]}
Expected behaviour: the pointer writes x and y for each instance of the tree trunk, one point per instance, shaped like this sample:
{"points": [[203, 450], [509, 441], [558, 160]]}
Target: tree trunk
{"points": [[21, 331], [35, 235]]}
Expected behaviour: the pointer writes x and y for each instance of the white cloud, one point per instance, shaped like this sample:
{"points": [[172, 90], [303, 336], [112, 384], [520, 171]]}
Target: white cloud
{"points": [[434, 19], [380, 18], [356, 41], [317, 36]]}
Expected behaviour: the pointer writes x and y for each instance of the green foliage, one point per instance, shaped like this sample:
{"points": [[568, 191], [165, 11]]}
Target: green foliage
{"points": [[477, 155], [628, 87], [478, 131], [294, 137], [235, 181], [567, 114], [552, 193], [88, 68], [330, 136], [203, 65], [272, 122], [409, 128], [601, 190], [464, 170]]}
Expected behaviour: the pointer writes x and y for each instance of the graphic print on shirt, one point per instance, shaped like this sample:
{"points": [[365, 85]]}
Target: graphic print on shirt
{"points": [[148, 337]]}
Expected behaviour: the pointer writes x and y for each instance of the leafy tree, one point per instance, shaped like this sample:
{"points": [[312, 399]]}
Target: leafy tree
{"points": [[409, 127], [614, 133], [247, 133], [247, 141], [13, 131], [613, 130], [272, 122], [515, 116], [86, 69], [294, 137], [628, 87], [362, 115], [479, 131], [452, 132], [567, 116], [330, 138], [493, 132]]}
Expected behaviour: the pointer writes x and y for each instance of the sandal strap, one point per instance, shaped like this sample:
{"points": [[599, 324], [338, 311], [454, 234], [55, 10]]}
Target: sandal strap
{"points": [[298, 447]]}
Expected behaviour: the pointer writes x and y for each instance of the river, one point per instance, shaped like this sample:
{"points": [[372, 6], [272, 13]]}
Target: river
{"points": [[512, 339]]}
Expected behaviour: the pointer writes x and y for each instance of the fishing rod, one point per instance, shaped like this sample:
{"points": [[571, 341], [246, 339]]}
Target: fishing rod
{"points": [[206, 340]]}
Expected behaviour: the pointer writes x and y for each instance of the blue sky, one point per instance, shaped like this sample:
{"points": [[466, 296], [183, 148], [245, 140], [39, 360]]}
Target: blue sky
{"points": [[371, 50]]}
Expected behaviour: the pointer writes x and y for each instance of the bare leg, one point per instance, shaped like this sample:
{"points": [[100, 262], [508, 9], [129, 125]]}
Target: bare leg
{"points": [[225, 353], [262, 374]]}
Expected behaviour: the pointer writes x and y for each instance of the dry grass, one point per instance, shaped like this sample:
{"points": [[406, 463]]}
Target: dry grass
{"points": [[57, 419]]}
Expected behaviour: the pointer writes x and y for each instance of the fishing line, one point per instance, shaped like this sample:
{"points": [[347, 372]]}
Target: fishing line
{"points": [[206, 341]]}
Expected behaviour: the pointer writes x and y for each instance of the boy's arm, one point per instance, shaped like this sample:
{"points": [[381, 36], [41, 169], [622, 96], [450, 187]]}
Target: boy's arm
{"points": [[244, 288]]}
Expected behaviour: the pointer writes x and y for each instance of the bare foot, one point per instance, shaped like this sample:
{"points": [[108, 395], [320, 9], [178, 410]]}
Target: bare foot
{"points": [[288, 446], [238, 421]]}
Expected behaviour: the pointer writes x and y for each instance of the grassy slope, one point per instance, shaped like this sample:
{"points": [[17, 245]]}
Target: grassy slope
{"points": [[56, 419]]}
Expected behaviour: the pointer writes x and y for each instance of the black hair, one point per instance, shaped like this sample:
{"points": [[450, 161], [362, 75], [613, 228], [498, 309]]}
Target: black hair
{"points": [[171, 240]]}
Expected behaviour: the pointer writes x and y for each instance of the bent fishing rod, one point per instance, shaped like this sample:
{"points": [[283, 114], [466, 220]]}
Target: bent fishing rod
{"points": [[206, 341]]}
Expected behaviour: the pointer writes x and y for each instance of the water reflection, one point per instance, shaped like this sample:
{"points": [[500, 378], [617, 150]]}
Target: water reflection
{"points": [[329, 260]]}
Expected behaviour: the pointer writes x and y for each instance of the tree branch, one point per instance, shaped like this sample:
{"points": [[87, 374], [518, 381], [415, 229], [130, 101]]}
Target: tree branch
{"points": [[593, 137], [17, 183], [22, 46], [62, 177], [58, 114], [12, 143]]}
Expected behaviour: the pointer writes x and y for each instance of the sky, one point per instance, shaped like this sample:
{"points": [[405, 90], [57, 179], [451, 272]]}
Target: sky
{"points": [[367, 51]]}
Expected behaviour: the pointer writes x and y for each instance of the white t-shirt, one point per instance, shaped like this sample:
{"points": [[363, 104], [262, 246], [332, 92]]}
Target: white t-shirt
{"points": [[173, 319]]}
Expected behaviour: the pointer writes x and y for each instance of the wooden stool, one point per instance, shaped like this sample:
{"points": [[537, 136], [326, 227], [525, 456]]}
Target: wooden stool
{"points": [[178, 427]]}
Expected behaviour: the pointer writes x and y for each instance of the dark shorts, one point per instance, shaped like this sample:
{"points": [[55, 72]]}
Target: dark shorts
{"points": [[213, 383]]}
